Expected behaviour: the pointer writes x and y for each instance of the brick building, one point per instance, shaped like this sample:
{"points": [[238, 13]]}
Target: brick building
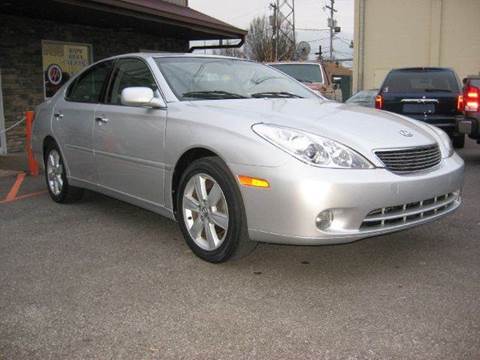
{"points": [[43, 43]]}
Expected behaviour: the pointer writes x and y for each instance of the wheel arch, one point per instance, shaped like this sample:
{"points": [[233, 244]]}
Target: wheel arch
{"points": [[181, 165], [48, 141]]}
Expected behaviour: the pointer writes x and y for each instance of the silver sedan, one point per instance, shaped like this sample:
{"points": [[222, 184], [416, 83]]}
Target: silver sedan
{"points": [[237, 152]]}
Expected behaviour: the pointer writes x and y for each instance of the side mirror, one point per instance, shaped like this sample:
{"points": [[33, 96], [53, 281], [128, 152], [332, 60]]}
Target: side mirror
{"points": [[141, 96]]}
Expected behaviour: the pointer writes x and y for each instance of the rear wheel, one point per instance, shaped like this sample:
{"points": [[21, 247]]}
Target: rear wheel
{"points": [[210, 212], [458, 141], [57, 183]]}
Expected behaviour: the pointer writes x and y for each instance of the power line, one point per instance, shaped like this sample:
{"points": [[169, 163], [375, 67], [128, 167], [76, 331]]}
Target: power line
{"points": [[345, 41], [316, 40], [312, 29]]}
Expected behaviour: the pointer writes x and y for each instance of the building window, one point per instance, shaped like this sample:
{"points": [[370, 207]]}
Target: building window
{"points": [[62, 60]]}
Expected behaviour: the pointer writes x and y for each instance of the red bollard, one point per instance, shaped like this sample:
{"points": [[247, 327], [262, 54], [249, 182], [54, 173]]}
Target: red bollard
{"points": [[32, 163]]}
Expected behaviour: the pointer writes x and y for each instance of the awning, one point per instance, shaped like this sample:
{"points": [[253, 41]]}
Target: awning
{"points": [[147, 16]]}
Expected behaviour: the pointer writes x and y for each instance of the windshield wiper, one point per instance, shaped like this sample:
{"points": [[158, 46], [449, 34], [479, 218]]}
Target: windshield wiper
{"points": [[213, 94], [275, 94], [437, 90], [267, 78], [305, 81]]}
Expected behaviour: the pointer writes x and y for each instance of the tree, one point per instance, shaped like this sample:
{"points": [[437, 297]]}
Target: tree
{"points": [[233, 52], [260, 42]]}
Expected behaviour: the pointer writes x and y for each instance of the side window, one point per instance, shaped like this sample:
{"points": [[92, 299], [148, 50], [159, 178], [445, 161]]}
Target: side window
{"points": [[129, 73], [88, 86]]}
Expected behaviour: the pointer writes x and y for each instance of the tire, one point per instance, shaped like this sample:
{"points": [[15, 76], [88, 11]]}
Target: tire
{"points": [[55, 175], [215, 230], [458, 141]]}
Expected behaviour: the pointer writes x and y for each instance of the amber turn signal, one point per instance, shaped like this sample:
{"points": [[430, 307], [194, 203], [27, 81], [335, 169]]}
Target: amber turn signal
{"points": [[251, 181]]}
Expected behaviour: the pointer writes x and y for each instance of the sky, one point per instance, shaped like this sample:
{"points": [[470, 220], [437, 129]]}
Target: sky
{"points": [[309, 14]]}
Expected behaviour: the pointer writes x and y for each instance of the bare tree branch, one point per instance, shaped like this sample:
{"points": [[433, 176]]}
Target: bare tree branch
{"points": [[260, 44]]}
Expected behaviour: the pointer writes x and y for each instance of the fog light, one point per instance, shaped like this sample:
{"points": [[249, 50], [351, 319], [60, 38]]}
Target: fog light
{"points": [[324, 219]]}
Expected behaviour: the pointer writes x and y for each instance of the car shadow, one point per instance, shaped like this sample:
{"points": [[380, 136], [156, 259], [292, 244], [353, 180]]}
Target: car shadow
{"points": [[346, 262]]}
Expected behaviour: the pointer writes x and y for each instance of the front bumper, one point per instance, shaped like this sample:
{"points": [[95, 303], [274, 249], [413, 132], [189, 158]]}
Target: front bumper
{"points": [[286, 212]]}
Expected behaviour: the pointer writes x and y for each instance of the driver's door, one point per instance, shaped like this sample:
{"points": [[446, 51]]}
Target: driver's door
{"points": [[129, 141]]}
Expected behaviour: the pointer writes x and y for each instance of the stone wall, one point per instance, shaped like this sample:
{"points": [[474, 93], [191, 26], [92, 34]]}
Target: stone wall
{"points": [[21, 59]]}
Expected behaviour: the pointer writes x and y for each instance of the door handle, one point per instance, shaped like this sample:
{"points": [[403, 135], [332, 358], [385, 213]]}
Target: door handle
{"points": [[58, 116], [101, 119]]}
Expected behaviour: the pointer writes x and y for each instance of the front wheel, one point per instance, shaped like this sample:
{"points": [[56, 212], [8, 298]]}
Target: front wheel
{"points": [[210, 212], [57, 183]]}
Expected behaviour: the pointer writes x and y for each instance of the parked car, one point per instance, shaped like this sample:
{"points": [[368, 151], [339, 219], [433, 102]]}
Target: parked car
{"points": [[312, 75], [238, 152], [363, 98], [470, 105], [427, 94]]}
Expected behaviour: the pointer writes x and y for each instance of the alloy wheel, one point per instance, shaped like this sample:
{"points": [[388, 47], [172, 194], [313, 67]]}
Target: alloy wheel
{"points": [[55, 172], [205, 211]]}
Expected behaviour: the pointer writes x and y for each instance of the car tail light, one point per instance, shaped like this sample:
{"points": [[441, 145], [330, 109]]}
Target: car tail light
{"points": [[379, 102], [471, 98], [460, 103]]}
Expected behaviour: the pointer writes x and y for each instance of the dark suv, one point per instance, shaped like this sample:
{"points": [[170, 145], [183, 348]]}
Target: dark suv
{"points": [[432, 95], [471, 106]]}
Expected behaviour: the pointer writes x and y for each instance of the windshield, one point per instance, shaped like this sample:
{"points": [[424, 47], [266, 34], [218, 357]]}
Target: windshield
{"points": [[418, 81], [197, 78], [308, 73]]}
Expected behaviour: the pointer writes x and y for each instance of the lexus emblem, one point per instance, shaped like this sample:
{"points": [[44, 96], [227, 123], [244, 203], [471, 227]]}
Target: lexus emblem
{"points": [[405, 133]]}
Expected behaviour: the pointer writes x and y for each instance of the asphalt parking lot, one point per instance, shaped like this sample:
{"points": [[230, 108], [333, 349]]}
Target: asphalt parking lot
{"points": [[101, 279]]}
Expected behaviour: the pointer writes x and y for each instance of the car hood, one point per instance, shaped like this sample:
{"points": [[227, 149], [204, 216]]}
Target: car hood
{"points": [[360, 128]]}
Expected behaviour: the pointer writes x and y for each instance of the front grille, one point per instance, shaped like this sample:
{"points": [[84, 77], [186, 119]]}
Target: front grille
{"points": [[410, 159], [407, 213]]}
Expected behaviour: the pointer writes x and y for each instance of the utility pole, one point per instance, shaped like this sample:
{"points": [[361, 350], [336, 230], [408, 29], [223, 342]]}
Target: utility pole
{"points": [[332, 25]]}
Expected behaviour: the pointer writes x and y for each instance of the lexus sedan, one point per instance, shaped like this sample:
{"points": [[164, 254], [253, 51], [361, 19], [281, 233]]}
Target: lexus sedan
{"points": [[238, 153]]}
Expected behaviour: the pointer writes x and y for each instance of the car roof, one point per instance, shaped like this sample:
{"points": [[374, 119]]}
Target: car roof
{"points": [[426, 68], [368, 91], [172, 54], [293, 63]]}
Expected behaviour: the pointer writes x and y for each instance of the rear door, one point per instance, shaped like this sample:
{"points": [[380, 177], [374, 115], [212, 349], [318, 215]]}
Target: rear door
{"points": [[425, 94], [73, 120], [128, 140]]}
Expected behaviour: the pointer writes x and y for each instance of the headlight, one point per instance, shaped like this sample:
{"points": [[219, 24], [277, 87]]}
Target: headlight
{"points": [[312, 149], [445, 142]]}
